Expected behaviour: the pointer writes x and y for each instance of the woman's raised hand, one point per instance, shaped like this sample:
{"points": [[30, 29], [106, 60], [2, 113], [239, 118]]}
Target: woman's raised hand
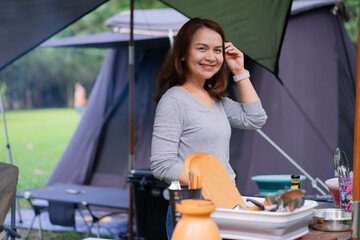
{"points": [[234, 59]]}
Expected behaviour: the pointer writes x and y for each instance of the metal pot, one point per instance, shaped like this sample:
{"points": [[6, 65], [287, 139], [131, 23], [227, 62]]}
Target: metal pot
{"points": [[332, 220]]}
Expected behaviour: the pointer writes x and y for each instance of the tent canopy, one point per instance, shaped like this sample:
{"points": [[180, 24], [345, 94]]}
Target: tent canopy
{"points": [[160, 23], [154, 20], [25, 24]]}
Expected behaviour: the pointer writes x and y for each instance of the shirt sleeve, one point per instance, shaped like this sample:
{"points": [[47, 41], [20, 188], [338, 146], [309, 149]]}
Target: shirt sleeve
{"points": [[244, 115], [167, 129]]}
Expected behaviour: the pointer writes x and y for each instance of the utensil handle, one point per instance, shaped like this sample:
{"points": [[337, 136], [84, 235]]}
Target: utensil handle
{"points": [[258, 206]]}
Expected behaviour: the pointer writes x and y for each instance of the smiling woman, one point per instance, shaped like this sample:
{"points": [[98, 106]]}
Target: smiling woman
{"points": [[193, 113]]}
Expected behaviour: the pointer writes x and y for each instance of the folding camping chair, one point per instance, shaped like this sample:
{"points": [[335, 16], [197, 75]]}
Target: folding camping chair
{"points": [[8, 181]]}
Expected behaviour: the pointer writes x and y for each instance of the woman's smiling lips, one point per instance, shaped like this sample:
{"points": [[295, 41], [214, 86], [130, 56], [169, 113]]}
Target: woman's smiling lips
{"points": [[207, 66]]}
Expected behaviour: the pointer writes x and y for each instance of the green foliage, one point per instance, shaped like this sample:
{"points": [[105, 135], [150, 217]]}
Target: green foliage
{"points": [[47, 75], [37, 140], [352, 26]]}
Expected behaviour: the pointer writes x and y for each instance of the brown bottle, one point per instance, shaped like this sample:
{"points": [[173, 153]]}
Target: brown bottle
{"points": [[295, 182]]}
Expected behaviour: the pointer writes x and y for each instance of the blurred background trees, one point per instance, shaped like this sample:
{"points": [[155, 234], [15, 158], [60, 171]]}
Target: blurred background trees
{"points": [[45, 77], [352, 25]]}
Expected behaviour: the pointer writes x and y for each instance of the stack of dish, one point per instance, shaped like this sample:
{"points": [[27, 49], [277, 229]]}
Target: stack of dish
{"points": [[256, 225]]}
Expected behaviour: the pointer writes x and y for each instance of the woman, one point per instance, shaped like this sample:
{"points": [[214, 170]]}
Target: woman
{"points": [[193, 113]]}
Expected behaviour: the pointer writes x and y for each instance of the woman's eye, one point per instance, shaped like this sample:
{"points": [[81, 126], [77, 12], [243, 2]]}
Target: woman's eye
{"points": [[201, 48], [218, 50]]}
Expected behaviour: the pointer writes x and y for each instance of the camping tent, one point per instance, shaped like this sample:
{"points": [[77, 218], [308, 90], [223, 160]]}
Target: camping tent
{"points": [[310, 114]]}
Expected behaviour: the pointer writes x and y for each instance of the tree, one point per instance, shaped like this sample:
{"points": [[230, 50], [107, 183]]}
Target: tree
{"points": [[352, 25]]}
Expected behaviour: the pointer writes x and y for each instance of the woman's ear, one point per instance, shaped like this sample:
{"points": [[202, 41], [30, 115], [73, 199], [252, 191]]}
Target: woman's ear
{"points": [[182, 59]]}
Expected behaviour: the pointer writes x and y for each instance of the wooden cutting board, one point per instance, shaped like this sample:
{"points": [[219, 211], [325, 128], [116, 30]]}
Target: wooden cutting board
{"points": [[215, 180]]}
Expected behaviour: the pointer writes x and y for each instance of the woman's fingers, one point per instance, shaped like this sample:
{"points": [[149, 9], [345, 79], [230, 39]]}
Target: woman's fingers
{"points": [[234, 58], [232, 50]]}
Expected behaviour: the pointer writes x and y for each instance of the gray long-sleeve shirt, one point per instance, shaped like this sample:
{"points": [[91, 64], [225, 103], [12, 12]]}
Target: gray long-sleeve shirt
{"points": [[184, 125]]}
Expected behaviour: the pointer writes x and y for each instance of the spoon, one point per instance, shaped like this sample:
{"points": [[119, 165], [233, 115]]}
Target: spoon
{"points": [[344, 164], [337, 161], [343, 172]]}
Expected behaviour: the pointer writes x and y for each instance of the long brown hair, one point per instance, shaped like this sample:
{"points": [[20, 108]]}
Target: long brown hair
{"points": [[173, 70]]}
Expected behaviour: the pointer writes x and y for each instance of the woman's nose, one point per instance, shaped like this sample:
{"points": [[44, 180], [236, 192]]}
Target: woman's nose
{"points": [[210, 56]]}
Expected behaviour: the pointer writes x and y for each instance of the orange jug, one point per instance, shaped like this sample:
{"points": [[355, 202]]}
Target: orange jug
{"points": [[195, 222]]}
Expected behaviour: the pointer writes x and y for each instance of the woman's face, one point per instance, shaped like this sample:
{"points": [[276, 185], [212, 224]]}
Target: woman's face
{"points": [[205, 55]]}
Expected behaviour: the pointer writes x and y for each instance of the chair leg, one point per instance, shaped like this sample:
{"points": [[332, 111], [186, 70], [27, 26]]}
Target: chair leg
{"points": [[40, 229], [30, 227], [6, 236], [18, 210], [98, 229], [10, 233], [90, 227], [86, 223]]}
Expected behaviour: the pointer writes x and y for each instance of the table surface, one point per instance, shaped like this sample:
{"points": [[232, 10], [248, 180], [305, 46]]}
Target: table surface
{"points": [[80, 194], [314, 234], [119, 198]]}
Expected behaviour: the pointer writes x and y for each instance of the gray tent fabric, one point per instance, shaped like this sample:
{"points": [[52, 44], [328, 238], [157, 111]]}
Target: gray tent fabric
{"points": [[108, 40], [309, 115], [142, 17], [25, 24], [302, 6]]}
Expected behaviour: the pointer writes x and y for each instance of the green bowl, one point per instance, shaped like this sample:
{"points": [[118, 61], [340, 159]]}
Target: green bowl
{"points": [[272, 184]]}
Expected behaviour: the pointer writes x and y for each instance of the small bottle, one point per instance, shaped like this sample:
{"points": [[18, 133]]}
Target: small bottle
{"points": [[295, 182]]}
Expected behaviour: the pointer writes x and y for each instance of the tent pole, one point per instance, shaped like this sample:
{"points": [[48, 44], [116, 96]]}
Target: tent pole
{"points": [[16, 201], [131, 115], [356, 161], [282, 152]]}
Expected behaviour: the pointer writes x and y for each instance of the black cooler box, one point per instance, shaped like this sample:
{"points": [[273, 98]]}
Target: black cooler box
{"points": [[150, 196]]}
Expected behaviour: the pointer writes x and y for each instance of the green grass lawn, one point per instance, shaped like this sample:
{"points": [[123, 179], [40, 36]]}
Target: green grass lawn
{"points": [[37, 140]]}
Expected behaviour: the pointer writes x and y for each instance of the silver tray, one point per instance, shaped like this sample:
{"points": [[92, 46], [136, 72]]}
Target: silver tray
{"points": [[332, 220]]}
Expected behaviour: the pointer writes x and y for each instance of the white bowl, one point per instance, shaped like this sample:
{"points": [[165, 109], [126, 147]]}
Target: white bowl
{"points": [[332, 183]]}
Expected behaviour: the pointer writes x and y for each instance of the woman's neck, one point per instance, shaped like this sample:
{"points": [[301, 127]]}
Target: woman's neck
{"points": [[194, 85], [199, 92]]}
